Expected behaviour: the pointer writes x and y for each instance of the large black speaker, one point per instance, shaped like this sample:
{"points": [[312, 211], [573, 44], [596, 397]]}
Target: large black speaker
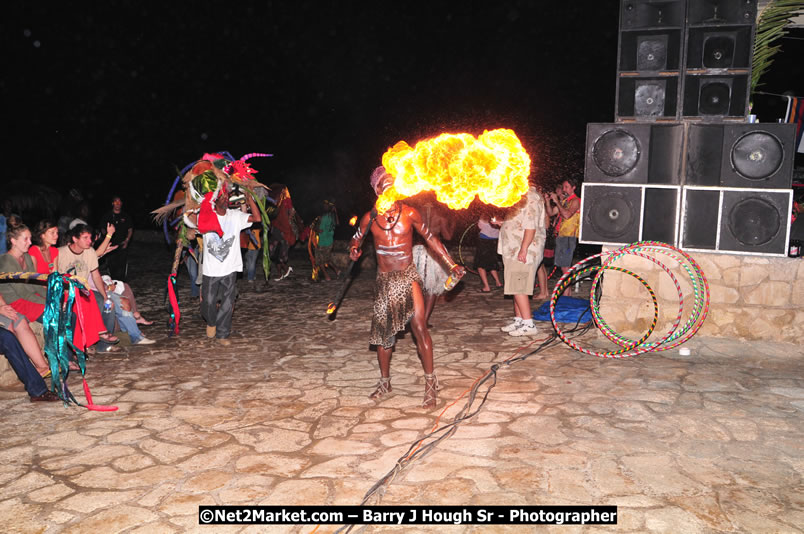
{"points": [[647, 98], [721, 12], [745, 221], [634, 153], [642, 14], [614, 214], [718, 46], [715, 96], [649, 59], [756, 155]]}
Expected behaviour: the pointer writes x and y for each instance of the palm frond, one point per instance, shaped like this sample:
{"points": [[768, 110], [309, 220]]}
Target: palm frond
{"points": [[772, 24]]}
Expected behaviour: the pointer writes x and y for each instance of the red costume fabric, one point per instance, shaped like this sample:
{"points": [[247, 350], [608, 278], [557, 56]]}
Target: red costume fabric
{"points": [[285, 220], [89, 323], [207, 218]]}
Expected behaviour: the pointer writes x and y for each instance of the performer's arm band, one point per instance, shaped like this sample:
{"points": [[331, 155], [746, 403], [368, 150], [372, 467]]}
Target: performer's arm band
{"points": [[108, 236]]}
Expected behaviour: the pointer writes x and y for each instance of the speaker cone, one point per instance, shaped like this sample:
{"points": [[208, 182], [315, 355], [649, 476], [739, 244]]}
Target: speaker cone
{"points": [[754, 221], [718, 51], [616, 152], [649, 99], [652, 53], [612, 215], [715, 98], [757, 155]]}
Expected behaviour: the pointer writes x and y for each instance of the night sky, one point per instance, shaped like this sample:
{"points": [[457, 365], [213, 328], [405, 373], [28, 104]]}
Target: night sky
{"points": [[115, 97]]}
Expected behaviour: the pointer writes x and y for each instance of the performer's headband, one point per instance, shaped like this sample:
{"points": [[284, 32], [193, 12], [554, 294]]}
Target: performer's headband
{"points": [[378, 176]]}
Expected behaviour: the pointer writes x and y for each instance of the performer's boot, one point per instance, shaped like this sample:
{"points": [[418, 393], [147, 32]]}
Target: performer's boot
{"points": [[383, 388], [430, 391]]}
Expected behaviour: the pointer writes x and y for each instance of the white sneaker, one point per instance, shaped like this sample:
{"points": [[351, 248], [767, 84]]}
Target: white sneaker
{"points": [[513, 326], [145, 341], [525, 329]]}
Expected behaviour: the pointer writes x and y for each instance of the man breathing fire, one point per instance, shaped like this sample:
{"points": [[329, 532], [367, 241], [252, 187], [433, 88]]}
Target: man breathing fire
{"points": [[398, 294]]}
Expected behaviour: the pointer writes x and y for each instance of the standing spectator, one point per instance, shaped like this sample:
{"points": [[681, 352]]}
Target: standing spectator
{"points": [[251, 242], [486, 258], [192, 254], [326, 237], [221, 263], [549, 249], [566, 206], [117, 260], [521, 245]]}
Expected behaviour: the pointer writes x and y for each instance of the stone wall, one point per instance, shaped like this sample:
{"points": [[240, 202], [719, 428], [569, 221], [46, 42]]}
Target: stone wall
{"points": [[751, 297]]}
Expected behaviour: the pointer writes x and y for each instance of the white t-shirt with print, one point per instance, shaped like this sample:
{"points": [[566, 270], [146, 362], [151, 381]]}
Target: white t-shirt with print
{"points": [[222, 254]]}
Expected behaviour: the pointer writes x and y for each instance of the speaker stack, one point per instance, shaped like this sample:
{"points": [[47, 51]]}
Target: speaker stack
{"points": [[681, 165], [719, 41]]}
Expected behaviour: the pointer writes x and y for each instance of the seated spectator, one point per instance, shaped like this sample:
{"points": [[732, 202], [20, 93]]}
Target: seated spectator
{"points": [[33, 382], [104, 248], [17, 324], [127, 297], [44, 253], [80, 259], [27, 299]]}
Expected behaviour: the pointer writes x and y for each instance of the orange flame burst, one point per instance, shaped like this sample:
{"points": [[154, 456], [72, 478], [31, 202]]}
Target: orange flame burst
{"points": [[353, 220], [458, 167], [331, 308]]}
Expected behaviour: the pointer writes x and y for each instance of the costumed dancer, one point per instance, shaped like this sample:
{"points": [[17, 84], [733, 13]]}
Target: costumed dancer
{"points": [[206, 181], [432, 271], [398, 294], [286, 230], [222, 261]]}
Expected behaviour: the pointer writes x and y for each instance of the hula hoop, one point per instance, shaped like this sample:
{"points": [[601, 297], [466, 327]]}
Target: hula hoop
{"points": [[675, 336]]}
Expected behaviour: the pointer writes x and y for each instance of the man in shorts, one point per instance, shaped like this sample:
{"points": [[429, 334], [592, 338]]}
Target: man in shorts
{"points": [[521, 245]]}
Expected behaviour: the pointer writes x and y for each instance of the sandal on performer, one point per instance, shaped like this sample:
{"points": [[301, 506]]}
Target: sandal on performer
{"points": [[430, 391], [383, 388]]}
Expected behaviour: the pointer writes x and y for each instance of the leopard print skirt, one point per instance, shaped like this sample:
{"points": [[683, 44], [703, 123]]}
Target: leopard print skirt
{"points": [[393, 305]]}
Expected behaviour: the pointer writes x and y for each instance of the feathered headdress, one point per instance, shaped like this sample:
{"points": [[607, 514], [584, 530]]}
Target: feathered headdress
{"points": [[202, 182]]}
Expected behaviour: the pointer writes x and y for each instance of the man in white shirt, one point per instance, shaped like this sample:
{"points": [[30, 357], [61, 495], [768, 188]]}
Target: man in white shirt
{"points": [[222, 262]]}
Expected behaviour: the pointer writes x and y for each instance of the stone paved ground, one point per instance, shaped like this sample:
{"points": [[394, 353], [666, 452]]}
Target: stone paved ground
{"points": [[712, 442]]}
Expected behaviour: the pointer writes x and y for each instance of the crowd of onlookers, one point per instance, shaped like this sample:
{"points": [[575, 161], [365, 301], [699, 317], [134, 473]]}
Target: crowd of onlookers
{"points": [[541, 230], [105, 305]]}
